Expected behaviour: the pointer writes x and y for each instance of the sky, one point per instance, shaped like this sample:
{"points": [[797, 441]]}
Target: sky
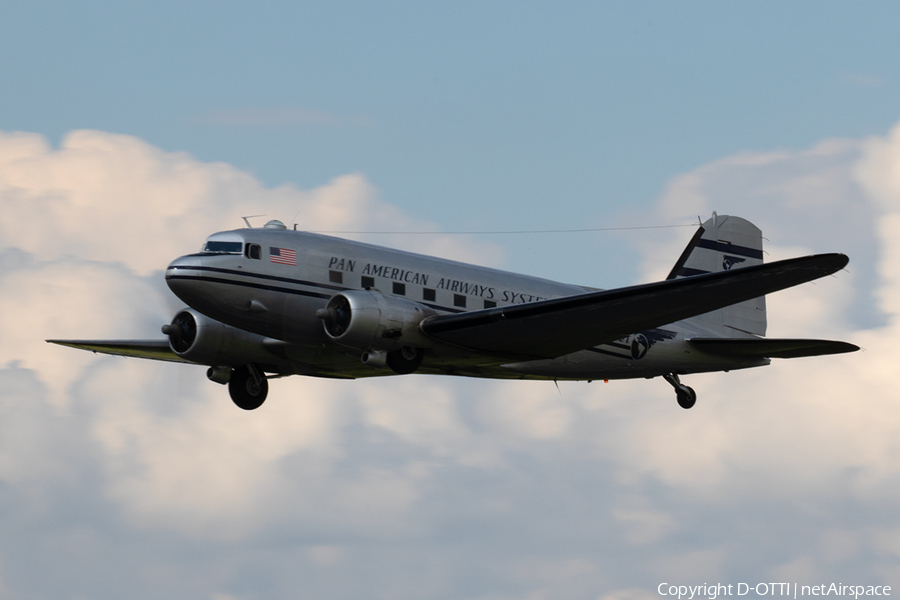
{"points": [[131, 131]]}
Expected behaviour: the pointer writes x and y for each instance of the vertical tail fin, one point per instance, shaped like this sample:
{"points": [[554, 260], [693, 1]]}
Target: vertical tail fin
{"points": [[722, 243]]}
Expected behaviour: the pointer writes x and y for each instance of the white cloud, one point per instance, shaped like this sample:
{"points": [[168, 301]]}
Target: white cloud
{"points": [[68, 298], [31, 433], [115, 198], [200, 466], [796, 428], [326, 556], [695, 565], [839, 544], [533, 411], [807, 201], [643, 523], [799, 569]]}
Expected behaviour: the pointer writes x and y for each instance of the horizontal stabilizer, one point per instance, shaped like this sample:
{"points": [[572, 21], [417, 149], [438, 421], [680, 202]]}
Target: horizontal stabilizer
{"points": [[153, 349], [770, 348], [551, 328]]}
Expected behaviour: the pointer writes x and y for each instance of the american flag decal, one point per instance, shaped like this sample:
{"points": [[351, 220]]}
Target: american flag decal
{"points": [[283, 256]]}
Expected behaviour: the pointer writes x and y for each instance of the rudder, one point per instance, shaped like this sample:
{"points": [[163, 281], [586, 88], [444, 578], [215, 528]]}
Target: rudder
{"points": [[722, 243]]}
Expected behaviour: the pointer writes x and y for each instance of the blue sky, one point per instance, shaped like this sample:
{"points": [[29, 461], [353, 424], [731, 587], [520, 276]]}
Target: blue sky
{"points": [[130, 131], [476, 116]]}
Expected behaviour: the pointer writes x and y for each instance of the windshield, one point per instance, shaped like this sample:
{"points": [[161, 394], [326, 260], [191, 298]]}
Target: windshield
{"points": [[223, 247]]}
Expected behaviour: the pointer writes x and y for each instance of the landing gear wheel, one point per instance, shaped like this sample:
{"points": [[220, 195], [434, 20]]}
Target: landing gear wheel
{"points": [[405, 360], [687, 397], [248, 387]]}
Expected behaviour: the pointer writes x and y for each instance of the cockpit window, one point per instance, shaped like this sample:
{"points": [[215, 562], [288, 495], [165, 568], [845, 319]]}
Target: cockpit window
{"points": [[253, 251], [223, 247]]}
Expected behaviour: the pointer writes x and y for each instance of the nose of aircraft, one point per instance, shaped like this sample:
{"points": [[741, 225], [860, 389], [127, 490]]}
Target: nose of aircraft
{"points": [[183, 277], [182, 263], [208, 283]]}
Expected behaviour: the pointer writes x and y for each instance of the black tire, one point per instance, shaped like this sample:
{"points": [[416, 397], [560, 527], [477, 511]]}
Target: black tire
{"points": [[687, 397], [245, 391], [405, 360]]}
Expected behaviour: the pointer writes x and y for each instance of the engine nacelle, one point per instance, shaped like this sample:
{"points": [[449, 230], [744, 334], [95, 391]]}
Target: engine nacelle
{"points": [[370, 320], [197, 338]]}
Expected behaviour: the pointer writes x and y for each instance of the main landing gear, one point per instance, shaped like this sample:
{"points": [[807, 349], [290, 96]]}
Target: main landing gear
{"points": [[686, 396], [247, 385], [406, 360]]}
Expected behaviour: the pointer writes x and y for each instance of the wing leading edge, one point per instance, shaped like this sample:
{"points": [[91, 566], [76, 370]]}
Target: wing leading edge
{"points": [[152, 349], [552, 328]]}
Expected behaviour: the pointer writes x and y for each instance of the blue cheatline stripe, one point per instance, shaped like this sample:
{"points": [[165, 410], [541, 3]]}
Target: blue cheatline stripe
{"points": [[248, 284], [730, 248], [262, 276]]}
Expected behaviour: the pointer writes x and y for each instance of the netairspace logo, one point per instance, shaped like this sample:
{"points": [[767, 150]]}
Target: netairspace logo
{"points": [[713, 591]]}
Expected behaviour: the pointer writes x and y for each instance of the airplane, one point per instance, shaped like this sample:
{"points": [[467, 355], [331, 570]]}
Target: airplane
{"points": [[268, 302]]}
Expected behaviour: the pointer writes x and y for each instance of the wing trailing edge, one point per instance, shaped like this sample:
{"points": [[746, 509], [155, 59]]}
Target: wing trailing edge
{"points": [[552, 328]]}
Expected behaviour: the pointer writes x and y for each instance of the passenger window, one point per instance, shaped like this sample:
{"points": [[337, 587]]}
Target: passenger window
{"points": [[335, 277], [367, 282], [429, 295], [399, 288], [490, 304], [253, 251], [459, 300]]}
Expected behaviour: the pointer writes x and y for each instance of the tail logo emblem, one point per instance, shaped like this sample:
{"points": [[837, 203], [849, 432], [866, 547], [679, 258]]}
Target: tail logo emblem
{"points": [[730, 261]]}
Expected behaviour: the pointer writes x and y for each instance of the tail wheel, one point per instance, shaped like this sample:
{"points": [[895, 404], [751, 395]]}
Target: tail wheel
{"points": [[406, 360], [248, 387], [686, 396]]}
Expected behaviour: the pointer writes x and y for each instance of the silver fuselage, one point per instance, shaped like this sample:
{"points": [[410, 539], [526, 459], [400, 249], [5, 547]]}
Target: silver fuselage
{"points": [[274, 298]]}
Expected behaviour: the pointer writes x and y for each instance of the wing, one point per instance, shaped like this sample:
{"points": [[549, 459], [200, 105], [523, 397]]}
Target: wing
{"points": [[552, 328], [771, 347], [152, 349]]}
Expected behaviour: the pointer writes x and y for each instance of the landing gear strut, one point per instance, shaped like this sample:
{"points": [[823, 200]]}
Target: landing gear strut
{"points": [[248, 387], [686, 396]]}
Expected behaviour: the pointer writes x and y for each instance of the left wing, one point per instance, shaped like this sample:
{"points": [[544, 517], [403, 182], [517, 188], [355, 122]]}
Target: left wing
{"points": [[152, 349], [560, 326]]}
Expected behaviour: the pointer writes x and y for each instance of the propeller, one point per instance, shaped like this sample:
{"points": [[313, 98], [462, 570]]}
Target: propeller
{"points": [[336, 315], [182, 331]]}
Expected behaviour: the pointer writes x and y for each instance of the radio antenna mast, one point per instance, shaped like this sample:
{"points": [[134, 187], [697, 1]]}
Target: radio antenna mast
{"points": [[249, 226]]}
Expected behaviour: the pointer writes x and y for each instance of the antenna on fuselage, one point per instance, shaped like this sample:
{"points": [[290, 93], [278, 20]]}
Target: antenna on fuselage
{"points": [[249, 226]]}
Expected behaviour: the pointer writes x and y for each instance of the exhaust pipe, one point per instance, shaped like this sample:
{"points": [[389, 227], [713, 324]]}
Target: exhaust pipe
{"points": [[375, 358], [219, 374]]}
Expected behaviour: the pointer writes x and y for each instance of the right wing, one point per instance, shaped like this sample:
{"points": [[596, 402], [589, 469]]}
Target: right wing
{"points": [[552, 328], [152, 349]]}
